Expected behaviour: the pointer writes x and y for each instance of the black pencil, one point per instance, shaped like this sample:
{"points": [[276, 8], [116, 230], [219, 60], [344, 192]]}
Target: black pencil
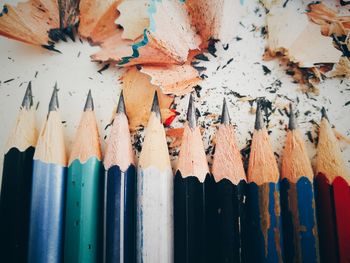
{"points": [[17, 183], [230, 189], [193, 204]]}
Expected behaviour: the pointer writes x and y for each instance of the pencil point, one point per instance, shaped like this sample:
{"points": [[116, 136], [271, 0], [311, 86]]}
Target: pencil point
{"points": [[191, 113], [225, 115], [89, 104], [324, 113], [27, 101], [259, 122], [121, 104], [292, 121], [155, 105], [53, 106]]}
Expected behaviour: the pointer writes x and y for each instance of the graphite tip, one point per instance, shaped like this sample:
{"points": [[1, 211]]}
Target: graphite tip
{"points": [[89, 104], [292, 120], [259, 122], [27, 101], [53, 106], [121, 104], [155, 105], [324, 113], [225, 115], [191, 113]]}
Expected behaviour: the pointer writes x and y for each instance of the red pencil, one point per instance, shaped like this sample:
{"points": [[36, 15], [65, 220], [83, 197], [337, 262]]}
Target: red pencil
{"points": [[332, 197]]}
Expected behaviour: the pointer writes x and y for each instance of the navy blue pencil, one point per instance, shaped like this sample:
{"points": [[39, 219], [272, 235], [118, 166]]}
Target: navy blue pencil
{"points": [[120, 202]]}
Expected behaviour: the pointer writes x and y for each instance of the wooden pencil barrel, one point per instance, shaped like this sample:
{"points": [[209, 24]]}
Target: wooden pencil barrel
{"points": [[193, 219], [264, 223], [120, 215], [15, 204], [230, 208], [299, 221], [47, 213], [83, 239]]}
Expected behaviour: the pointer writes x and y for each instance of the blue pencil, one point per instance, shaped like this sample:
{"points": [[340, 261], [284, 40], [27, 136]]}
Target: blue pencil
{"points": [[297, 200], [120, 196], [263, 205], [48, 190]]}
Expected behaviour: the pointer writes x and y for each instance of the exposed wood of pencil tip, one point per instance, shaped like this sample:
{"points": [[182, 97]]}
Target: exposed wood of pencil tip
{"points": [[225, 116], [53, 106], [292, 120], [155, 149], [262, 166], [86, 143], [329, 160], [295, 160], [259, 122], [227, 163], [119, 149], [155, 105], [27, 101], [191, 113], [192, 158], [24, 133], [121, 104], [89, 104]]}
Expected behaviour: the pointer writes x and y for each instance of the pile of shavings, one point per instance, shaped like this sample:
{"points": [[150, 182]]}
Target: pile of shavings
{"points": [[155, 40], [312, 43]]}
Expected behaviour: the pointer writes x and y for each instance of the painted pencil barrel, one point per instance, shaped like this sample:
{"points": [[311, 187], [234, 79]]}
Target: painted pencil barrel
{"points": [[155, 215], [120, 215], [47, 213], [299, 221], [264, 223], [15, 204], [83, 212], [341, 191], [193, 221], [230, 208], [333, 216]]}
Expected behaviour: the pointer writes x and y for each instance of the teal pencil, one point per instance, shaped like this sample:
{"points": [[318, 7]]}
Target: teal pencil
{"points": [[84, 193]]}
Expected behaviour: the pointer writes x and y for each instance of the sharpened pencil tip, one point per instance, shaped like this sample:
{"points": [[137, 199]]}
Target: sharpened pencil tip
{"points": [[259, 122], [27, 101], [121, 104], [53, 106], [292, 120], [155, 105], [191, 113], [324, 113], [89, 104], [225, 115]]}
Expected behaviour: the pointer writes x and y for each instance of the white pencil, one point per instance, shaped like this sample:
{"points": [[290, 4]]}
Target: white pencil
{"points": [[155, 195]]}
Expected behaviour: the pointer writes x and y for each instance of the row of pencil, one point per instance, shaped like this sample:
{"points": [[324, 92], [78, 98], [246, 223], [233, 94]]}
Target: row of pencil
{"points": [[115, 212]]}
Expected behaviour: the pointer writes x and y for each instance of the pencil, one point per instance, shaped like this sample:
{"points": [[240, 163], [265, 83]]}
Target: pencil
{"points": [[120, 199], [17, 183], [48, 190], [193, 204], [84, 192], [155, 194], [297, 199], [230, 189], [332, 197], [263, 205]]}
